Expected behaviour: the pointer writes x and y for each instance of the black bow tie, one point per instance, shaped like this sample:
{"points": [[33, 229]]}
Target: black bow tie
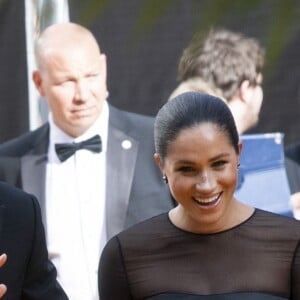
{"points": [[66, 150]]}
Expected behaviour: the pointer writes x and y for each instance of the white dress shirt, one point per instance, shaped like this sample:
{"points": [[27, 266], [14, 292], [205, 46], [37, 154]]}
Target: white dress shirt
{"points": [[75, 210]]}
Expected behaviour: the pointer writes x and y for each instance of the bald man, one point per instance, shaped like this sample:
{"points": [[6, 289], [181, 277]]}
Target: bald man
{"points": [[91, 166]]}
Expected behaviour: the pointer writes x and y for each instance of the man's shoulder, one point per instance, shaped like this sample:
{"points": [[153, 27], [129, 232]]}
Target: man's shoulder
{"points": [[25, 142], [124, 115], [126, 120], [292, 151], [14, 198]]}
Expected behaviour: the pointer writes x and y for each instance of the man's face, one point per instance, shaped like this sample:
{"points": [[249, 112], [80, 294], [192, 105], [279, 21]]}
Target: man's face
{"points": [[257, 99], [73, 81], [246, 104]]}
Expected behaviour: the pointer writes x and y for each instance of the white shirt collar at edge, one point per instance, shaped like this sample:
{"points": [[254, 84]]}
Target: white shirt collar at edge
{"points": [[99, 127]]}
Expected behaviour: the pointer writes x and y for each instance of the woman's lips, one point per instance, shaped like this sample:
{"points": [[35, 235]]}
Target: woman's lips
{"points": [[207, 202]]}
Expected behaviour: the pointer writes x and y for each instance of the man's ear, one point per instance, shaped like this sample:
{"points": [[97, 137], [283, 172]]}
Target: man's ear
{"points": [[37, 79], [245, 91]]}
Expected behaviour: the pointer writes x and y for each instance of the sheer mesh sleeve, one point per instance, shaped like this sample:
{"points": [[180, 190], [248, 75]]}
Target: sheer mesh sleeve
{"points": [[296, 274], [112, 278]]}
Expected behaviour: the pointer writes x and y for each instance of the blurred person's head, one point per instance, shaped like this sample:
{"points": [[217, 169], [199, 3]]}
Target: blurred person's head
{"points": [[230, 65]]}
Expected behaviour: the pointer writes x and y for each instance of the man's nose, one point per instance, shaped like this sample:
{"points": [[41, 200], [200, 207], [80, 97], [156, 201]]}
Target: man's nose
{"points": [[81, 91]]}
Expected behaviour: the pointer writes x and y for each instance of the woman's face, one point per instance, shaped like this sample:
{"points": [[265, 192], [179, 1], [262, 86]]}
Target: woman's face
{"points": [[202, 170]]}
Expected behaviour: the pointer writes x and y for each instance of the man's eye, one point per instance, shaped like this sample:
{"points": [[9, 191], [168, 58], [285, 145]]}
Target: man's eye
{"points": [[93, 75], [66, 82]]}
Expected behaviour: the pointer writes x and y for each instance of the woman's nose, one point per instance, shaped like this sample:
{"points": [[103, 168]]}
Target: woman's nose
{"points": [[204, 182]]}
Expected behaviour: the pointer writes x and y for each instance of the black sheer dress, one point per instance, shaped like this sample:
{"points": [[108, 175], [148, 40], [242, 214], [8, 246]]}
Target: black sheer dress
{"points": [[258, 259]]}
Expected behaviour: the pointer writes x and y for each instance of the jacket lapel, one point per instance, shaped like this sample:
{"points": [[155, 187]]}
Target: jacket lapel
{"points": [[121, 157], [33, 172], [33, 169]]}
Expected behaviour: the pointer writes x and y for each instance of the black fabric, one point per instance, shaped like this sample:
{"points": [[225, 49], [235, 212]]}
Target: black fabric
{"points": [[28, 273], [13, 76], [293, 174], [258, 259], [292, 165], [293, 152], [66, 150], [236, 296]]}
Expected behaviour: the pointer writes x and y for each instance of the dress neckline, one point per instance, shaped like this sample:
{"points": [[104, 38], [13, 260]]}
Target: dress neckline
{"points": [[213, 233]]}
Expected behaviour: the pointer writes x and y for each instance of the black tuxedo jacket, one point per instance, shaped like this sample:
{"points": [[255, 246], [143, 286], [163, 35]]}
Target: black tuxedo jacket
{"points": [[135, 189], [28, 273], [292, 163]]}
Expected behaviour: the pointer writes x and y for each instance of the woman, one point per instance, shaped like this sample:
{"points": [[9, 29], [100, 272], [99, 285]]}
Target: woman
{"points": [[210, 246]]}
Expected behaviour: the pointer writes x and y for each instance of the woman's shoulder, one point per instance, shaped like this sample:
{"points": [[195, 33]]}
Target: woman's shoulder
{"points": [[152, 225], [139, 237], [282, 225], [260, 213]]}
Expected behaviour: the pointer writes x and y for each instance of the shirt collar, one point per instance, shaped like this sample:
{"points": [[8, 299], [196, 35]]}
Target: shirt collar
{"points": [[99, 127]]}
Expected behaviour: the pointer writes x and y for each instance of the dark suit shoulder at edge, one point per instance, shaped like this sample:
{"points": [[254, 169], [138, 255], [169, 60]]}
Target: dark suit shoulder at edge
{"points": [[24, 143]]}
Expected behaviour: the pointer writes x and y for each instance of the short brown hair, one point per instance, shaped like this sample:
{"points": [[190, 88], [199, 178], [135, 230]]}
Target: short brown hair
{"points": [[223, 60]]}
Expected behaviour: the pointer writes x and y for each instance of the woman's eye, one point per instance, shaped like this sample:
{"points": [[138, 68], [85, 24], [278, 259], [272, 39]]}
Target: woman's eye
{"points": [[219, 164], [186, 169]]}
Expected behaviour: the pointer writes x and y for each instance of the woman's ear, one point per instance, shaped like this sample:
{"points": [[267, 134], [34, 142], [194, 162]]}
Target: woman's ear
{"points": [[240, 147], [158, 161]]}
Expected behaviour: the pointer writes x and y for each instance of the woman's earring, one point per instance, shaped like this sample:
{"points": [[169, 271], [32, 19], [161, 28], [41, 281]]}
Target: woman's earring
{"points": [[238, 166], [165, 179]]}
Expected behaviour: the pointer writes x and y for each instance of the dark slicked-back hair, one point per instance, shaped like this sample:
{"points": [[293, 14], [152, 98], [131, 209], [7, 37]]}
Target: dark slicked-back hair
{"points": [[189, 110], [223, 59]]}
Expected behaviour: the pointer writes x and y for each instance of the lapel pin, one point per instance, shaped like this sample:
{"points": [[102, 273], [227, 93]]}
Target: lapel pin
{"points": [[126, 144]]}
